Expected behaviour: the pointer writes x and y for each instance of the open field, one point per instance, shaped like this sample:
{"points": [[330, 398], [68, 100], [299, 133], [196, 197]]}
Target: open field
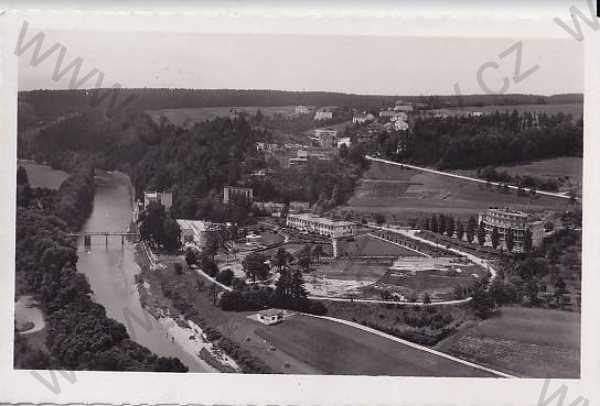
{"points": [[575, 109], [187, 117], [401, 194], [529, 342], [335, 348]]}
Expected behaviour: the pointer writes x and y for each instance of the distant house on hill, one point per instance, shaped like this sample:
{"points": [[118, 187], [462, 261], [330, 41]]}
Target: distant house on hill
{"points": [[302, 110], [326, 137], [323, 114], [361, 118]]}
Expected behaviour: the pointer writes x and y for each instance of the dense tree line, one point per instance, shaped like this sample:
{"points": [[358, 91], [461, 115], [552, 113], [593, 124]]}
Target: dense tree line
{"points": [[494, 139], [48, 104], [79, 333]]}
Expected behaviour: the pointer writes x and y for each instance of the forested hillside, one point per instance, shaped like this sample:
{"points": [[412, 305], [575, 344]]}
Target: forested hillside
{"points": [[495, 139], [48, 104]]}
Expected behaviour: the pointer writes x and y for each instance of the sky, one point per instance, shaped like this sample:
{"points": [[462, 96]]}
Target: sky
{"points": [[362, 53]]}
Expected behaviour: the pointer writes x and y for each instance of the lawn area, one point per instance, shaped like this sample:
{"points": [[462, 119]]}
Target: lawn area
{"points": [[402, 194], [347, 269], [529, 342], [334, 348]]}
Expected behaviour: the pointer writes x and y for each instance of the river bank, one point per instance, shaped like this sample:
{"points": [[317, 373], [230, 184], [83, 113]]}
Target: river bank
{"points": [[187, 334]]}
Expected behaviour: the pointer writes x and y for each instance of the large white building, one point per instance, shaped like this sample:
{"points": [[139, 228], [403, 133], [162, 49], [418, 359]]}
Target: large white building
{"points": [[320, 225], [504, 219]]}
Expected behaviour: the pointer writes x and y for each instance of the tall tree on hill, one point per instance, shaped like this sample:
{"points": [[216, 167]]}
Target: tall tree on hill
{"points": [[281, 259], [481, 234], [255, 266], [304, 257], [434, 224], [211, 246], [318, 252], [460, 229], [450, 226], [527, 241], [442, 224], [471, 228], [495, 237], [510, 239], [297, 285]]}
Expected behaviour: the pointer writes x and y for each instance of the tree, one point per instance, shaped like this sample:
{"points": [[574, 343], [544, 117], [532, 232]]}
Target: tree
{"points": [[471, 228], [527, 241], [211, 246], [209, 266], [178, 268], [281, 259], [510, 239], [379, 218], [426, 299], [22, 178], [425, 223], [255, 266], [318, 252], [304, 257], [171, 237], [481, 234], [450, 226], [225, 277], [460, 230], [495, 237], [434, 224], [297, 285], [442, 224], [482, 302], [192, 256]]}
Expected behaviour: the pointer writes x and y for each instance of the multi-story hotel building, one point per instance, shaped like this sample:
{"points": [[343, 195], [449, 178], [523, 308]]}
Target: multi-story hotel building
{"points": [[507, 219], [323, 226]]}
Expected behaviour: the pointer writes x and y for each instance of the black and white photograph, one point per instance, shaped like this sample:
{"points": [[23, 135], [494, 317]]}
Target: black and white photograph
{"points": [[233, 201]]}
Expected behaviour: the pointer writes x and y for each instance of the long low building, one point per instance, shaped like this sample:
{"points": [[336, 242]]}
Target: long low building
{"points": [[320, 225]]}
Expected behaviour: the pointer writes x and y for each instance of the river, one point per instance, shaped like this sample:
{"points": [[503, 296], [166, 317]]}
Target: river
{"points": [[111, 269]]}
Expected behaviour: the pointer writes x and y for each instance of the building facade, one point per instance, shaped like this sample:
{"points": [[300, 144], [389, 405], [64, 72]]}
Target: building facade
{"points": [[320, 225], [505, 219], [326, 137], [230, 191], [323, 115], [163, 198]]}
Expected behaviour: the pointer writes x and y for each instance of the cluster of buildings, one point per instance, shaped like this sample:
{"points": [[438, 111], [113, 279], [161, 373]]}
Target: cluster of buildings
{"points": [[163, 198], [231, 192], [505, 219]]}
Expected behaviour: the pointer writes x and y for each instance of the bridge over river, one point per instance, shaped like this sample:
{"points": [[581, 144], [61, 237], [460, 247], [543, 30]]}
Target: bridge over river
{"points": [[87, 236]]}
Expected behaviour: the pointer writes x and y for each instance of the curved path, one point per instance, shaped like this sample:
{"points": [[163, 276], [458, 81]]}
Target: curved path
{"points": [[467, 178]]}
